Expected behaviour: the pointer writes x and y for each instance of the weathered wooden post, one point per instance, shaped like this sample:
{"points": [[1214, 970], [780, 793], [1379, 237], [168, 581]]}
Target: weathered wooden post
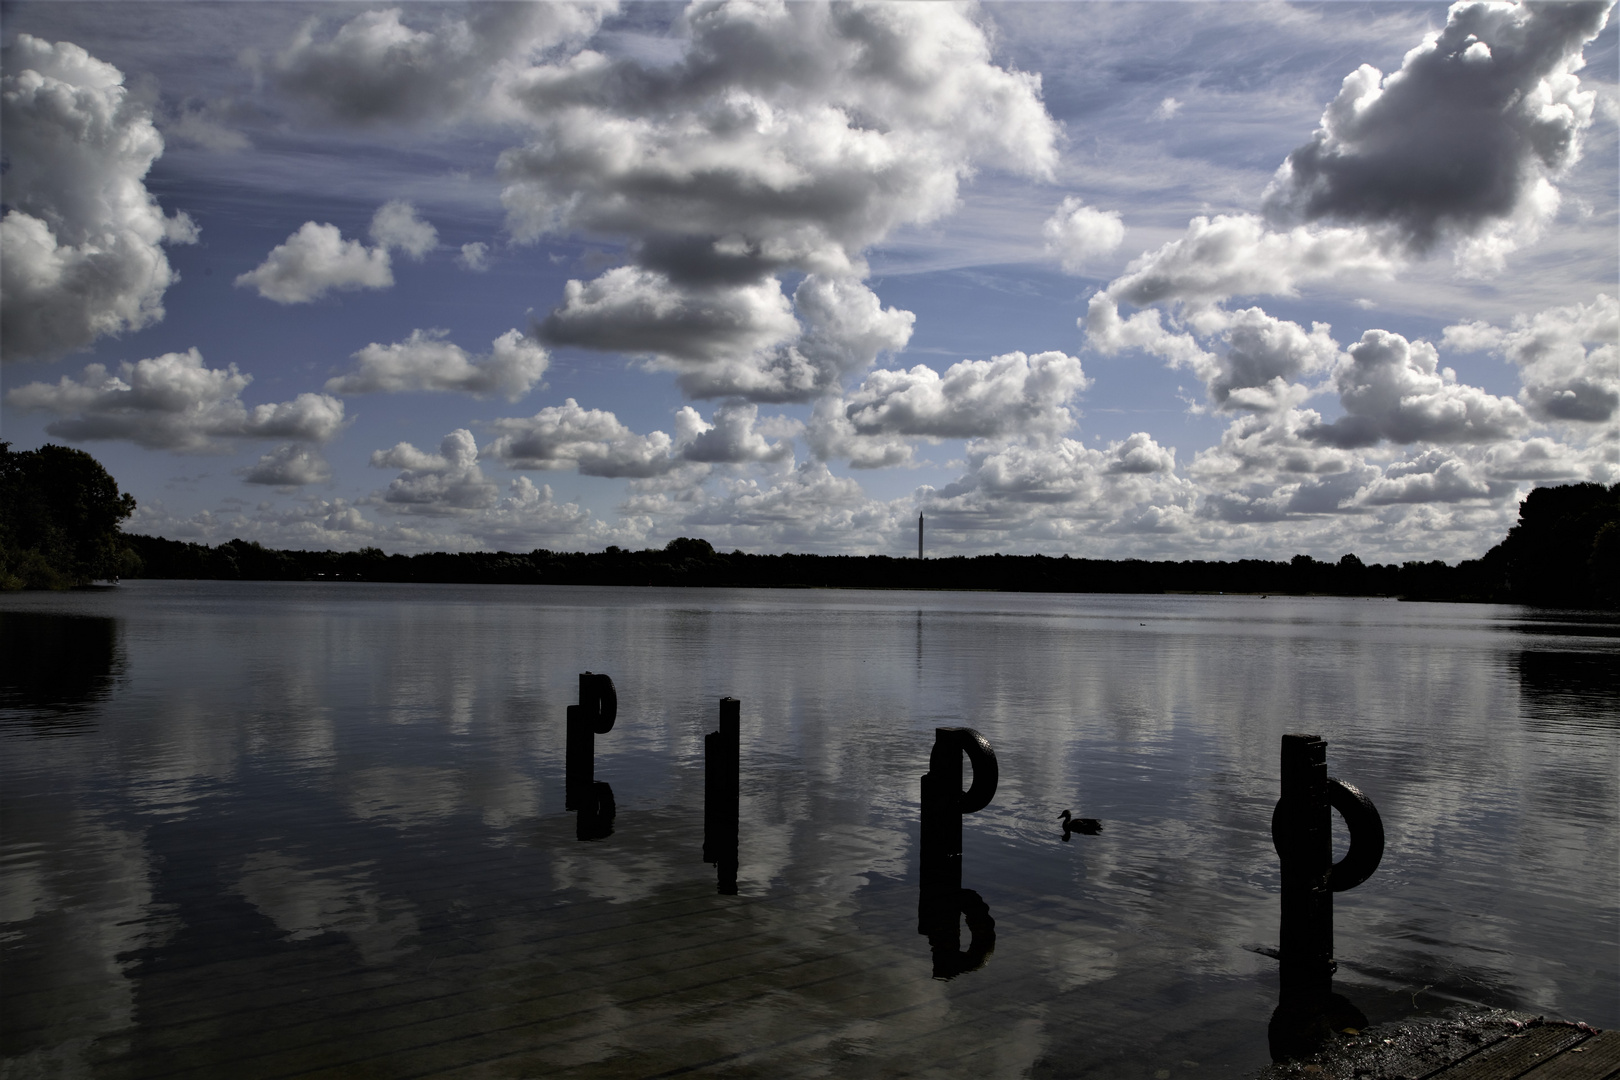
{"points": [[941, 898], [722, 795], [594, 715], [1302, 831]]}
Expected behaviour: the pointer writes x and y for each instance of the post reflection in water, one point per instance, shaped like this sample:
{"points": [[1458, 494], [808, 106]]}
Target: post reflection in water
{"points": [[942, 901], [722, 795], [594, 715], [596, 811]]}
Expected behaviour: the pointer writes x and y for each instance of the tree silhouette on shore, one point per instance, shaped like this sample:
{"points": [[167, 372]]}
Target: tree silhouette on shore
{"points": [[60, 512]]}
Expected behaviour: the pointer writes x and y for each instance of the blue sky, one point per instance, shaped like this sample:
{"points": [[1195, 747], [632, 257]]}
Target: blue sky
{"points": [[1150, 280]]}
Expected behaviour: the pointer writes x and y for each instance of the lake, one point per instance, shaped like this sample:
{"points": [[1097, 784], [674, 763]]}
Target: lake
{"points": [[258, 829]]}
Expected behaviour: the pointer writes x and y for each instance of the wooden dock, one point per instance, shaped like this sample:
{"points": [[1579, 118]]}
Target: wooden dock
{"points": [[1546, 1051]]}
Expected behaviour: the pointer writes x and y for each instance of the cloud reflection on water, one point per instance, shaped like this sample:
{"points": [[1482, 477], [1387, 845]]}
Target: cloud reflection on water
{"points": [[383, 767], [307, 902]]}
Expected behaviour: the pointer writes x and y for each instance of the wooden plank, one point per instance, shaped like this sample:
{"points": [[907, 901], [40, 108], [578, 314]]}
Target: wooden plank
{"points": [[1514, 1056], [1598, 1058]]}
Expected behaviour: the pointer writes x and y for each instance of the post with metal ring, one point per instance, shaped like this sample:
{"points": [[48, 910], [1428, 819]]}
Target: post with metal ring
{"points": [[1302, 831], [941, 898], [594, 715], [722, 795]]}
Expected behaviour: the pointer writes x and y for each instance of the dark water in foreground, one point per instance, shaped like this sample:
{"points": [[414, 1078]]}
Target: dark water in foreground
{"points": [[258, 830]]}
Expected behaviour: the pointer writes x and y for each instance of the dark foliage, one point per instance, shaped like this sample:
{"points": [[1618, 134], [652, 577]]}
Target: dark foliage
{"points": [[1565, 550], [694, 562], [59, 518]]}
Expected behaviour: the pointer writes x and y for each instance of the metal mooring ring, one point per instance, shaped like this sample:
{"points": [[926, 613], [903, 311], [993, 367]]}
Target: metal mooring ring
{"points": [[986, 773], [601, 702], [1366, 836]]}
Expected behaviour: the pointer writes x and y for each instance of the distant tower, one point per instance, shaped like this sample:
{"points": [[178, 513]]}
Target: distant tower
{"points": [[919, 535]]}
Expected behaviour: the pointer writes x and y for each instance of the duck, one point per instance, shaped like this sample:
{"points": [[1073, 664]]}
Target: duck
{"points": [[1086, 826]]}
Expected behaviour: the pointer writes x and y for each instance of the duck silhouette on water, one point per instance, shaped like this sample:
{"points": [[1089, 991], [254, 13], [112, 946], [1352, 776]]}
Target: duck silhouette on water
{"points": [[1086, 826]]}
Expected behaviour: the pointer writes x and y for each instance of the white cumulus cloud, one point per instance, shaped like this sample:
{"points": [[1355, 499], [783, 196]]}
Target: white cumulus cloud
{"points": [[1061, 491], [732, 339], [1237, 255], [1140, 454], [315, 260], [805, 131], [1462, 145], [733, 437], [173, 402], [1569, 358], [1077, 233], [1257, 369], [81, 252], [1463, 141], [1434, 476], [288, 466], [593, 440], [426, 361], [1263, 358], [448, 482], [1537, 459], [1395, 389], [1010, 394], [396, 225], [831, 435], [783, 138], [630, 309], [1014, 395], [805, 509], [378, 67]]}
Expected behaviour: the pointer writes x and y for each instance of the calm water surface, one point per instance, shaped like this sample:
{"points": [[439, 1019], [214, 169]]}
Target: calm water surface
{"points": [[263, 830]]}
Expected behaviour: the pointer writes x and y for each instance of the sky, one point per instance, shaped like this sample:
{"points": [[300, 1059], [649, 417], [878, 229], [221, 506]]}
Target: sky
{"points": [[1136, 280]]}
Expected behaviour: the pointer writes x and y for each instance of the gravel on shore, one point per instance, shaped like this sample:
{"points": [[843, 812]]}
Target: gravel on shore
{"points": [[1407, 1049]]}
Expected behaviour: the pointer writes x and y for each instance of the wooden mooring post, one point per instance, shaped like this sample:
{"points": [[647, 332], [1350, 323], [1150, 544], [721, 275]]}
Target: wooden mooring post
{"points": [[941, 898], [1302, 831], [722, 795]]}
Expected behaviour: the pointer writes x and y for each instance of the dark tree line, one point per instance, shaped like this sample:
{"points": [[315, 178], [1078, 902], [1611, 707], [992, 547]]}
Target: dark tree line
{"points": [[1564, 552], [691, 562], [60, 511]]}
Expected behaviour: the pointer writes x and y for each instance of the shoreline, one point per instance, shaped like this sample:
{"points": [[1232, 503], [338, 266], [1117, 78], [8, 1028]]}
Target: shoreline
{"points": [[1441, 1048]]}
